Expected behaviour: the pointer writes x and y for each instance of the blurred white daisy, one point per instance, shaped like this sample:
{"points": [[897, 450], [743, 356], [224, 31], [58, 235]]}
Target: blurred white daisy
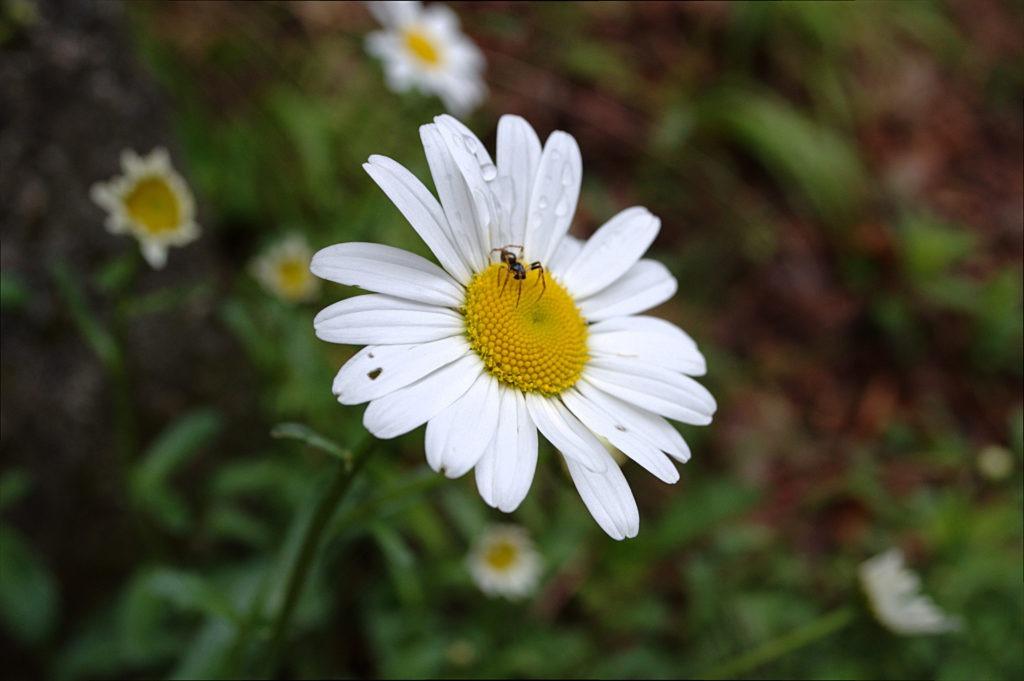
{"points": [[995, 463], [504, 562], [423, 48], [893, 592], [488, 349], [149, 201], [283, 270]]}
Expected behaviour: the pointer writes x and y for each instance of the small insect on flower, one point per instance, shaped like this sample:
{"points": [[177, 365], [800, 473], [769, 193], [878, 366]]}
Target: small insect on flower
{"points": [[893, 592], [449, 346], [149, 201], [517, 271], [423, 48], [283, 270], [505, 563]]}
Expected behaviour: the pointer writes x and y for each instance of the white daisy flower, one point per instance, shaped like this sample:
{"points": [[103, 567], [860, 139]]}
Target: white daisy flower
{"points": [[150, 201], [423, 48], [283, 270], [893, 592], [995, 463], [504, 562], [549, 338]]}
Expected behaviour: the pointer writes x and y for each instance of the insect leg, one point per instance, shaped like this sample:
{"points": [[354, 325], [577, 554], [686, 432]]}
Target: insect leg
{"points": [[543, 281]]}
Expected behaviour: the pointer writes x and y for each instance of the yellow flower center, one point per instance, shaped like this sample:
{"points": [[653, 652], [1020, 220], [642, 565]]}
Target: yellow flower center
{"points": [[422, 47], [501, 555], [153, 205], [529, 336], [292, 276]]}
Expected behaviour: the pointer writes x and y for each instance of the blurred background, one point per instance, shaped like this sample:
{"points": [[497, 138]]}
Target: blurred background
{"points": [[841, 191]]}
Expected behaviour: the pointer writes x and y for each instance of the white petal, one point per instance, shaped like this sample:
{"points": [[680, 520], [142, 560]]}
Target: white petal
{"points": [[553, 198], [455, 198], [383, 269], [477, 169], [505, 472], [394, 13], [412, 406], [377, 370], [568, 248], [155, 253], [611, 251], [646, 284], [518, 158], [457, 437], [565, 432], [669, 394], [384, 320], [648, 425], [607, 497], [621, 435], [422, 211], [651, 340]]}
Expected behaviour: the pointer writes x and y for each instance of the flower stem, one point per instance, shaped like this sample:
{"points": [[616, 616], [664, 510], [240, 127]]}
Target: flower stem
{"points": [[820, 628], [344, 474]]}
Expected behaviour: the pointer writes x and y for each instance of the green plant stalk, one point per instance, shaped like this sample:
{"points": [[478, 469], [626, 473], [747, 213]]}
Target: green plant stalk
{"points": [[343, 476], [818, 629]]}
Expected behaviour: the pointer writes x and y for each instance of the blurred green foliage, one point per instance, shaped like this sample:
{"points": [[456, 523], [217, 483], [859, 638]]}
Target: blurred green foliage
{"points": [[754, 138]]}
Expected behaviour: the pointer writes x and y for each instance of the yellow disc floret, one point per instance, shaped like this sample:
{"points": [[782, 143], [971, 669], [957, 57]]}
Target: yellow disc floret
{"points": [[421, 46], [533, 338], [153, 206], [501, 555]]}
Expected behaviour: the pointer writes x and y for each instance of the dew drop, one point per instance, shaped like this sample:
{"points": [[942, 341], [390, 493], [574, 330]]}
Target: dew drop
{"points": [[566, 175], [488, 171], [542, 203], [562, 207]]}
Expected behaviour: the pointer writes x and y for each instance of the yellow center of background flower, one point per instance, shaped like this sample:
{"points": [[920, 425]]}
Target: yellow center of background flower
{"points": [[501, 555], [538, 345], [152, 205], [292, 276], [422, 47]]}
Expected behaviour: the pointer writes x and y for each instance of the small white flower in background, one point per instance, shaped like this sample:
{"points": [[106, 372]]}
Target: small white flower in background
{"points": [[995, 463], [894, 594], [504, 562], [283, 270], [151, 202], [423, 48], [524, 329]]}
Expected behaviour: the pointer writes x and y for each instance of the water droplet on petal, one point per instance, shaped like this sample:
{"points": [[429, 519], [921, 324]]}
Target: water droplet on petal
{"points": [[566, 175], [562, 207], [488, 171], [542, 203]]}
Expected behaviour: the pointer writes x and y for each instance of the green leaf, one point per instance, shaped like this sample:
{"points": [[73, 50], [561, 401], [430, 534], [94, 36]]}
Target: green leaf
{"points": [[116, 274], [28, 591], [14, 485], [13, 293], [298, 431], [795, 149], [92, 329], [189, 593], [175, 446]]}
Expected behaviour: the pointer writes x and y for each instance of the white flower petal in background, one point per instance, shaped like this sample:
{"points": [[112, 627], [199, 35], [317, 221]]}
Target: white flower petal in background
{"points": [[424, 48], [504, 562], [522, 328], [150, 201], [283, 270], [893, 592]]}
